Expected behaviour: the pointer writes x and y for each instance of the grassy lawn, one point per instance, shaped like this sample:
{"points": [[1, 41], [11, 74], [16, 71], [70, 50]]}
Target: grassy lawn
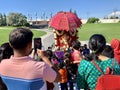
{"points": [[4, 33], [110, 31]]}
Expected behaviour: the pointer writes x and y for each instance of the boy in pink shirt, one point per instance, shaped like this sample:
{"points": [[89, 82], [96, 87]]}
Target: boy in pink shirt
{"points": [[22, 72]]}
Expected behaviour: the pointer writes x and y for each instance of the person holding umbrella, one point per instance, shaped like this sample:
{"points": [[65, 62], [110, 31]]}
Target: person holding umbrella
{"points": [[65, 26]]}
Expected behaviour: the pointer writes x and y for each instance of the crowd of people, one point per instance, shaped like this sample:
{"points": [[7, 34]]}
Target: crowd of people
{"points": [[71, 68]]}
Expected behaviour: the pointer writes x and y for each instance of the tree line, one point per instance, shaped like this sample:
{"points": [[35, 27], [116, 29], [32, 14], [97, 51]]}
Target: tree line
{"points": [[13, 19]]}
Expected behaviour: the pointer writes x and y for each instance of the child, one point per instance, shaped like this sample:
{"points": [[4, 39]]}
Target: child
{"points": [[76, 54], [49, 54], [63, 73], [85, 50], [71, 73]]}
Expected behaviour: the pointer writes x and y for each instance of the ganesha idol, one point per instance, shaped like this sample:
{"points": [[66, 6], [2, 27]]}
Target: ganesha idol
{"points": [[64, 39]]}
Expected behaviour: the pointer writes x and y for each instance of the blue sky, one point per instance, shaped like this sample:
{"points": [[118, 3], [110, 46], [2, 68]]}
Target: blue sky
{"points": [[84, 8]]}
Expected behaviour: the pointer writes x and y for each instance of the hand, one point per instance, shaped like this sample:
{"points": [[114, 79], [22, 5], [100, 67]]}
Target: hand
{"points": [[44, 57], [40, 53]]}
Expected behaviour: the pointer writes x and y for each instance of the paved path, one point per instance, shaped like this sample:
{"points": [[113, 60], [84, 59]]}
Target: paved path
{"points": [[48, 39]]}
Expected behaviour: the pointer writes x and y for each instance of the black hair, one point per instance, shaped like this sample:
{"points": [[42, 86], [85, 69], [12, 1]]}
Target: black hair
{"points": [[67, 54], [67, 62], [5, 51], [49, 54], [108, 51], [97, 43], [85, 46], [89, 57], [76, 45], [20, 37], [61, 65]]}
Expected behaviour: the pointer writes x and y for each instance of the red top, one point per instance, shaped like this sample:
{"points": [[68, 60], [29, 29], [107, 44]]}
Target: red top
{"points": [[115, 44]]}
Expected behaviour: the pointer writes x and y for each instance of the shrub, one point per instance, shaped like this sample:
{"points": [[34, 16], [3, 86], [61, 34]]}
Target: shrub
{"points": [[93, 20]]}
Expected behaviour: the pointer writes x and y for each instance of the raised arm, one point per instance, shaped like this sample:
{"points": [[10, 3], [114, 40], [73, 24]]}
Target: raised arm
{"points": [[47, 61]]}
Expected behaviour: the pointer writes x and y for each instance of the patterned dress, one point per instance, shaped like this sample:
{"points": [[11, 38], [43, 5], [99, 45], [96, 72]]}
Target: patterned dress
{"points": [[88, 73]]}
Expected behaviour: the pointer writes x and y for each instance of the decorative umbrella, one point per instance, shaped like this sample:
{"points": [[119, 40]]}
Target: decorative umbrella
{"points": [[65, 26], [65, 21]]}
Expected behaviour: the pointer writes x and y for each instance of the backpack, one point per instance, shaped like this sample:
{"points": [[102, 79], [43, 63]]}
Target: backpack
{"points": [[107, 81]]}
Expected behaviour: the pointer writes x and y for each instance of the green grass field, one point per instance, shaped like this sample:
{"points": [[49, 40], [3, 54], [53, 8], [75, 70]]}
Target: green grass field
{"points": [[109, 30], [4, 33]]}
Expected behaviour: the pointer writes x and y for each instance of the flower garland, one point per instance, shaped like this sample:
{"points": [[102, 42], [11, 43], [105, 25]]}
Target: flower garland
{"points": [[59, 33], [72, 33]]}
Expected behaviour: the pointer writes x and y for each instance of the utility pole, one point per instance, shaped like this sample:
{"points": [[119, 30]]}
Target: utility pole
{"points": [[87, 13], [115, 10], [36, 17], [28, 16], [51, 15], [44, 15]]}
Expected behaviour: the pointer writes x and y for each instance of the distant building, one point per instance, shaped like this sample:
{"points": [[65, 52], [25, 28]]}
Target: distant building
{"points": [[39, 23], [109, 20]]}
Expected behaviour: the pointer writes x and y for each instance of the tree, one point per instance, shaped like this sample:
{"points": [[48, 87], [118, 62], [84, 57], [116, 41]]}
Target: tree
{"points": [[70, 10], [1, 19], [22, 20], [4, 20], [114, 17], [16, 19], [75, 12], [93, 20]]}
